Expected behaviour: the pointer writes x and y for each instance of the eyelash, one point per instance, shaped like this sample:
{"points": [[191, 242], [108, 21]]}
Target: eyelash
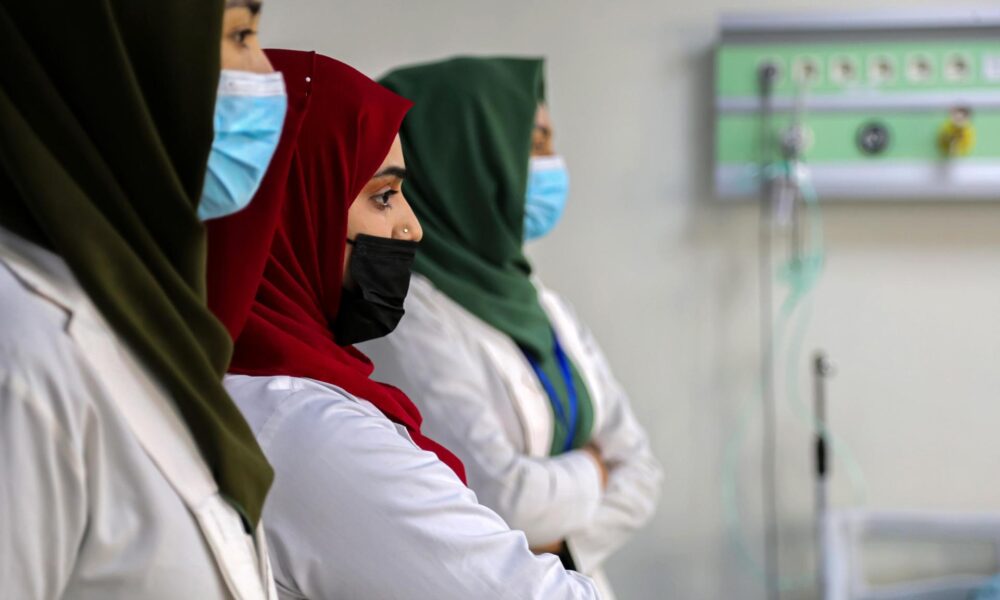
{"points": [[382, 200], [240, 37]]}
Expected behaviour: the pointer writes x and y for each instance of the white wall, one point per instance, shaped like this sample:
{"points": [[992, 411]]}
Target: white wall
{"points": [[909, 307]]}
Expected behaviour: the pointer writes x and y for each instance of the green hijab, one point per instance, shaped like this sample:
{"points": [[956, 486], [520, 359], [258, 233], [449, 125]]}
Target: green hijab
{"points": [[105, 128], [467, 142]]}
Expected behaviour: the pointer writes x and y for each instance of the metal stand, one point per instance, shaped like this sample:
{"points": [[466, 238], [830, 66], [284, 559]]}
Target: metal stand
{"points": [[769, 467], [822, 370]]}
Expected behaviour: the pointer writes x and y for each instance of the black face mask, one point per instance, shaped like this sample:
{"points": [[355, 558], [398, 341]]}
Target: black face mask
{"points": [[380, 270]]}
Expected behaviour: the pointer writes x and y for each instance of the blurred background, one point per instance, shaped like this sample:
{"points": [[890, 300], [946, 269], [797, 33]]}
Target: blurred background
{"points": [[907, 308]]}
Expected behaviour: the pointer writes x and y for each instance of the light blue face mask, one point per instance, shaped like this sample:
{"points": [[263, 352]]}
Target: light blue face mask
{"points": [[548, 189], [249, 114]]}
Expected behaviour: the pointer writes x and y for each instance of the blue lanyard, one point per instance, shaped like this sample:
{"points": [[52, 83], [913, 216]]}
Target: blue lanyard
{"points": [[569, 424]]}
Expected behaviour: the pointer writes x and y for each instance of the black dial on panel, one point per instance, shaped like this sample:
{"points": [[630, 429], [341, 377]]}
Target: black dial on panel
{"points": [[873, 138]]}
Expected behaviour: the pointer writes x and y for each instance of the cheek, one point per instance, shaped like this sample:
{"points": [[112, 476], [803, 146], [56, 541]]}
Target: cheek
{"points": [[251, 58], [236, 58], [230, 56], [370, 221]]}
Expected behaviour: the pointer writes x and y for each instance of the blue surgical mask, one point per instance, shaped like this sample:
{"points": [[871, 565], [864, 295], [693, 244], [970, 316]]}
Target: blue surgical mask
{"points": [[249, 114], [548, 188]]}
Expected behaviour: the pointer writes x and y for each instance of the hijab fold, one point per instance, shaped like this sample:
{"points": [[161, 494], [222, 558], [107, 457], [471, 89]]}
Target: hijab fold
{"points": [[283, 301], [468, 146], [105, 130]]}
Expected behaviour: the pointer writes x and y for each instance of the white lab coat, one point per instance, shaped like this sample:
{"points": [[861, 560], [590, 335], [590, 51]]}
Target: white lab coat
{"points": [[481, 398], [103, 493], [358, 511]]}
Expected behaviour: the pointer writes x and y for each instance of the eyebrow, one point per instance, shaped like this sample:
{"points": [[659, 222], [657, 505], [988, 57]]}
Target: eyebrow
{"points": [[252, 5], [397, 172], [544, 129]]}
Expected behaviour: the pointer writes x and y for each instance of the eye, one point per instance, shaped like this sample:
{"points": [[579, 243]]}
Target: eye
{"points": [[241, 36], [382, 199]]}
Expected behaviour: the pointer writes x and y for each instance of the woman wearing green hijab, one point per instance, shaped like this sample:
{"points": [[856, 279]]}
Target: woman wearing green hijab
{"points": [[503, 372], [125, 469]]}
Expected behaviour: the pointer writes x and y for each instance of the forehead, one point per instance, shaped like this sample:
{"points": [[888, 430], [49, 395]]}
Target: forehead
{"points": [[394, 158], [396, 151]]}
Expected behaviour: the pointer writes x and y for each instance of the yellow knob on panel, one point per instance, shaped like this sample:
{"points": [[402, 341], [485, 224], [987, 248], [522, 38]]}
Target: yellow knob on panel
{"points": [[957, 137]]}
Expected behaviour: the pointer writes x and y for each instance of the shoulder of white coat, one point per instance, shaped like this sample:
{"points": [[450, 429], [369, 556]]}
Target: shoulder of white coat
{"points": [[306, 409], [425, 300], [554, 305], [32, 329], [430, 314], [324, 441], [39, 362]]}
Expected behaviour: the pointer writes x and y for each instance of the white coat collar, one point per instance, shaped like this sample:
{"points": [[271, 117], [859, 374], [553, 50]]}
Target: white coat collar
{"points": [[149, 413], [151, 416], [43, 272]]}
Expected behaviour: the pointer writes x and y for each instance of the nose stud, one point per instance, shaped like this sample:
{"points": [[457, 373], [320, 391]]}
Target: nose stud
{"points": [[406, 230]]}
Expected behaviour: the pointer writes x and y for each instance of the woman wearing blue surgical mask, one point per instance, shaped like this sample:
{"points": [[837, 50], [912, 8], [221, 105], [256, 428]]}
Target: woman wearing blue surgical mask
{"points": [[502, 370], [126, 471], [250, 108], [548, 180]]}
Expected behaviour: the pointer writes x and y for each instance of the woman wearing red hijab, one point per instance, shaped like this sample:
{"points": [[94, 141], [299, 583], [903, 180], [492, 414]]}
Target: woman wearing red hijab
{"points": [[363, 505]]}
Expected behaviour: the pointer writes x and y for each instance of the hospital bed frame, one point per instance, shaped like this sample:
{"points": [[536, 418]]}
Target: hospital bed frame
{"points": [[845, 532]]}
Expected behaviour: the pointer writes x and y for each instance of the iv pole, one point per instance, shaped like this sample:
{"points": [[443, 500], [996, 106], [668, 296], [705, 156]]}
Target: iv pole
{"points": [[780, 199], [767, 75]]}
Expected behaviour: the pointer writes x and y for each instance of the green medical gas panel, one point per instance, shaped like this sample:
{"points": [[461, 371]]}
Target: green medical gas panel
{"points": [[891, 106]]}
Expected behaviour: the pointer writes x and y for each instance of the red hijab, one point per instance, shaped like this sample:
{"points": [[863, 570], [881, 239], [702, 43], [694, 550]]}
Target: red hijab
{"points": [[280, 302]]}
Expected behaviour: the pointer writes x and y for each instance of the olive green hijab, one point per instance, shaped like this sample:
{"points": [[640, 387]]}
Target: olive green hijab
{"points": [[105, 128], [467, 143]]}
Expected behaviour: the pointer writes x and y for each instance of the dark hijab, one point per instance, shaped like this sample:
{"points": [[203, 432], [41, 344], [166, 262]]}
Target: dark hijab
{"points": [[105, 128], [468, 144]]}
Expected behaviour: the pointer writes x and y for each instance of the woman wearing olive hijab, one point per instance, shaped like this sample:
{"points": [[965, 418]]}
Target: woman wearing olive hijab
{"points": [[126, 471], [503, 371]]}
